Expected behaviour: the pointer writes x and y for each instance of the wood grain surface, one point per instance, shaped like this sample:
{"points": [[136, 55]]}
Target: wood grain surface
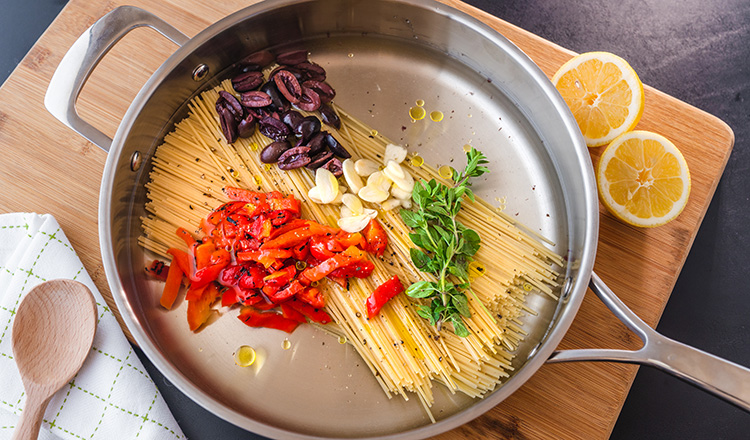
{"points": [[48, 168]]}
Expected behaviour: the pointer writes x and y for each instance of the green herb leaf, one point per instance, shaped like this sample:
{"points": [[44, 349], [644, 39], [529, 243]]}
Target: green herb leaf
{"points": [[446, 245]]}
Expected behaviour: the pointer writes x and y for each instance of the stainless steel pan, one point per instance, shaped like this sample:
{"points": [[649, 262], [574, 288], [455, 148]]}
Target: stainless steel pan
{"points": [[381, 56]]}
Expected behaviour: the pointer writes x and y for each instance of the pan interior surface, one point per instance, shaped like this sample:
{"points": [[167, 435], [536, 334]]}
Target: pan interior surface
{"points": [[318, 387]]}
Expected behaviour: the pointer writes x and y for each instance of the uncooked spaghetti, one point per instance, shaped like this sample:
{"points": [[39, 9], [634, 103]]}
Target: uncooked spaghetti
{"points": [[404, 353]]}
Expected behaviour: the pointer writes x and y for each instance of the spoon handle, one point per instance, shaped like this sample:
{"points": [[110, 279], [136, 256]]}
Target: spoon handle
{"points": [[32, 415]]}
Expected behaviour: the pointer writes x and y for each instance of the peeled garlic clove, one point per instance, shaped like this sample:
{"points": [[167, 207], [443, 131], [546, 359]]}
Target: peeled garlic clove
{"points": [[338, 199], [353, 224], [399, 193], [406, 184], [365, 167], [350, 175], [353, 203], [379, 180], [395, 153], [327, 184], [406, 203], [390, 204], [372, 194], [394, 171], [314, 195], [345, 212], [371, 213]]}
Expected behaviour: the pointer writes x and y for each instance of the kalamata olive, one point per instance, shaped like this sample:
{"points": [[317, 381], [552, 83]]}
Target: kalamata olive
{"points": [[246, 126], [319, 160], [312, 70], [322, 88], [294, 158], [309, 101], [336, 148], [231, 103], [307, 127], [255, 99], [279, 103], [274, 129], [317, 142], [329, 116], [261, 58], [244, 82], [288, 86], [293, 70], [228, 124], [292, 57], [292, 118], [247, 67], [334, 166], [271, 153]]}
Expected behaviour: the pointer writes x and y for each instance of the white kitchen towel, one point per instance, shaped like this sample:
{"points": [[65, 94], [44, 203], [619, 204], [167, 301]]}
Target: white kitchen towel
{"points": [[112, 396]]}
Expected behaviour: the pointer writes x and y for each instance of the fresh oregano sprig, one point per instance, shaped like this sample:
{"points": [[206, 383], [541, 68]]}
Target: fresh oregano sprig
{"points": [[446, 247]]}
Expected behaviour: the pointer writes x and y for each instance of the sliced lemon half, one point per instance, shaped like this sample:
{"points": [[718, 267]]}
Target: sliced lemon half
{"points": [[643, 179], [604, 94]]}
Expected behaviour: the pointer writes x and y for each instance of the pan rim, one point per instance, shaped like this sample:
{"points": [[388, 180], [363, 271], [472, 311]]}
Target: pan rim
{"points": [[200, 396]]}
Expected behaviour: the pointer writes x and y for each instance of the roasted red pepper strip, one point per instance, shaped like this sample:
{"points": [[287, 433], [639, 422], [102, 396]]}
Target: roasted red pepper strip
{"points": [[288, 312], [199, 310], [312, 296], [294, 237], [171, 286], [158, 270], [278, 202], [224, 211], [300, 251], [318, 248], [254, 318], [265, 257], [217, 261], [281, 277], [316, 315], [347, 239], [186, 236], [360, 269], [376, 238], [349, 256], [182, 259], [382, 294], [245, 195], [287, 292], [202, 254]]}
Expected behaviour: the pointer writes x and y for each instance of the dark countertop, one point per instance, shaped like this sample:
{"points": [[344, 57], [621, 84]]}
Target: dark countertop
{"points": [[695, 50]]}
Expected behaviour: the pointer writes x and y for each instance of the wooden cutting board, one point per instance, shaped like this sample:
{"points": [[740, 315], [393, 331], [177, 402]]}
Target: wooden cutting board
{"points": [[47, 168]]}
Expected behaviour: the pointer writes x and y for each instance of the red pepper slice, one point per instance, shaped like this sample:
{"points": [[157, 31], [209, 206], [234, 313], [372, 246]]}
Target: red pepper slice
{"points": [[288, 311], [245, 195], [287, 292], [186, 236], [158, 270], [317, 315], [347, 239], [349, 256], [224, 211], [312, 296], [319, 250], [182, 259], [172, 286], [266, 257], [278, 202], [294, 237], [382, 294], [300, 251], [217, 261], [376, 238], [281, 277], [199, 310], [254, 318], [360, 269]]}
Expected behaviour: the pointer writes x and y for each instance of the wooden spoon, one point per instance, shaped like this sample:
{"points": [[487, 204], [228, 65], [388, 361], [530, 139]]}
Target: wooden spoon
{"points": [[52, 335]]}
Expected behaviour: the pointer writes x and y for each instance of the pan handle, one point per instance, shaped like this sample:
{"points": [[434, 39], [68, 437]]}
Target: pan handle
{"points": [[715, 375], [85, 54]]}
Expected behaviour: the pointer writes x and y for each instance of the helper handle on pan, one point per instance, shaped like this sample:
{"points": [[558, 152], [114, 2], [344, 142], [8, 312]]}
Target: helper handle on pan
{"points": [[718, 376], [85, 54]]}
